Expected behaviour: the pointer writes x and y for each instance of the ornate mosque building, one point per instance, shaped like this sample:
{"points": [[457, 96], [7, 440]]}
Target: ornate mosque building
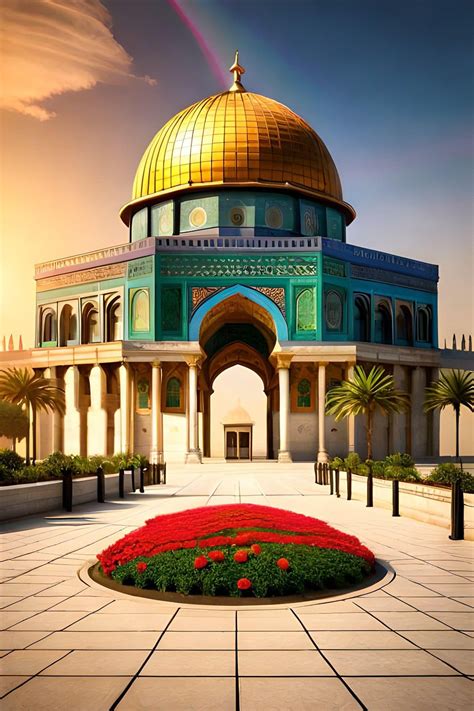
{"points": [[237, 254]]}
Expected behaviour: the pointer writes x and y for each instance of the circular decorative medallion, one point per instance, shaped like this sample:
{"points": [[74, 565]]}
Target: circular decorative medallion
{"points": [[333, 310], [197, 217], [273, 217], [237, 216]]}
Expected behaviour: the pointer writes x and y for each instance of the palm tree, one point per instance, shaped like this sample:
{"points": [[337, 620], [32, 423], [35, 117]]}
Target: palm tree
{"points": [[33, 393], [13, 422], [364, 394], [454, 388]]}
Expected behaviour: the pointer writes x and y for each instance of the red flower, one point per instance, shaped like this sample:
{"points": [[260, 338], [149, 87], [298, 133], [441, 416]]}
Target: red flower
{"points": [[200, 562], [242, 538], [241, 557], [244, 584], [283, 563], [256, 549], [216, 556], [141, 567]]}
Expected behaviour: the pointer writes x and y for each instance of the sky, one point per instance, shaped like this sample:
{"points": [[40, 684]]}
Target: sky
{"points": [[85, 86]]}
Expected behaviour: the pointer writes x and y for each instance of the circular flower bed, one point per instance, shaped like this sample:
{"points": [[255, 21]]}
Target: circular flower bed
{"points": [[235, 550]]}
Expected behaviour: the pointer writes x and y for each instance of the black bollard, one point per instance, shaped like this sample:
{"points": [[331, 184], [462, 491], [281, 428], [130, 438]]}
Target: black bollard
{"points": [[164, 473], [370, 488], [349, 483], [395, 497], [331, 480], [132, 469], [320, 473], [336, 474], [324, 467], [316, 473], [67, 490], [457, 511], [121, 483], [100, 485], [142, 479]]}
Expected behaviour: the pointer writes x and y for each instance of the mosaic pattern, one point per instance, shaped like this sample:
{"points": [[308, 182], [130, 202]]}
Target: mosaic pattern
{"points": [[98, 274], [266, 266], [139, 268], [334, 267], [374, 274], [200, 293], [236, 137], [276, 294]]}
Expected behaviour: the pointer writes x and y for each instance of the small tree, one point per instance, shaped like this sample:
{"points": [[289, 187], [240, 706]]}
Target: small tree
{"points": [[454, 388], [365, 394], [13, 422], [32, 392]]}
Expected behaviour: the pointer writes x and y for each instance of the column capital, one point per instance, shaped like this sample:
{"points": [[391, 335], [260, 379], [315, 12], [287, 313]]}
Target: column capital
{"points": [[193, 361], [322, 364], [156, 363], [283, 360]]}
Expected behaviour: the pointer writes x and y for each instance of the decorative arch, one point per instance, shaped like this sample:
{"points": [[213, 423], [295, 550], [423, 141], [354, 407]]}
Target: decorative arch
{"points": [[141, 311], [383, 323], [90, 323], [404, 324], [424, 328], [279, 324], [67, 325], [361, 318], [48, 326], [113, 319]]}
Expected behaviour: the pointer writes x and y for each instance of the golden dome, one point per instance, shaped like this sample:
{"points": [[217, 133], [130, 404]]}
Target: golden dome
{"points": [[236, 138]]}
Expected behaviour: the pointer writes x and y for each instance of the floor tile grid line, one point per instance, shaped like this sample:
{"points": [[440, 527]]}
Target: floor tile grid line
{"points": [[75, 550], [213, 492], [33, 676], [430, 614], [60, 534], [236, 647], [147, 658], [316, 646], [25, 597], [421, 649], [185, 486], [63, 629], [457, 575]]}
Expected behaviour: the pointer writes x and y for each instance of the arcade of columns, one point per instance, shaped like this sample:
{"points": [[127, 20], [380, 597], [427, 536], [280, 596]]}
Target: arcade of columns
{"points": [[87, 430]]}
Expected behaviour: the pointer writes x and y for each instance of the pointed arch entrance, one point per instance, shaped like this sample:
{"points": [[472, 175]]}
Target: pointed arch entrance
{"points": [[237, 330]]}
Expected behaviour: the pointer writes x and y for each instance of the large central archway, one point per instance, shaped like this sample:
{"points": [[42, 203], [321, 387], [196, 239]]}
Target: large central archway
{"points": [[237, 329]]}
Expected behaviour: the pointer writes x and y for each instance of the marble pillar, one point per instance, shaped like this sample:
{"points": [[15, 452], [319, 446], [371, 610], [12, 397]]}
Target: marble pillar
{"points": [[351, 419], [322, 452], [283, 366], [72, 417], [156, 451], [124, 383], [97, 413], [193, 455], [419, 428]]}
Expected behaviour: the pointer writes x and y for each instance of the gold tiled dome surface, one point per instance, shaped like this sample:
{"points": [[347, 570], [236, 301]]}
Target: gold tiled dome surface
{"points": [[236, 138]]}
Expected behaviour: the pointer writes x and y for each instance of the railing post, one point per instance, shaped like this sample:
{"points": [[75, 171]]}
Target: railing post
{"points": [[121, 484], [142, 479], [331, 481], [164, 473], [349, 483], [336, 474], [316, 473], [132, 469], [457, 511], [325, 474], [395, 497], [100, 485], [320, 473], [370, 488], [67, 490]]}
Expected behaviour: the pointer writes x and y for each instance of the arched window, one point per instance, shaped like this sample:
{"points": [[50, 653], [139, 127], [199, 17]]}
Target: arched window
{"points": [[305, 311], [67, 325], [143, 393], [90, 324], [48, 327], [333, 310], [361, 318], [139, 226], [383, 323], [304, 393], [114, 320], [423, 324], [173, 393], [141, 311], [404, 325]]}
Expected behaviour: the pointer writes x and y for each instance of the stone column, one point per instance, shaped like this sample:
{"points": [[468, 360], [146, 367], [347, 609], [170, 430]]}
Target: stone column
{"points": [[351, 418], [124, 382], [434, 422], [418, 422], [97, 413], [72, 418], [156, 451], [322, 452], [398, 420], [193, 455], [283, 367]]}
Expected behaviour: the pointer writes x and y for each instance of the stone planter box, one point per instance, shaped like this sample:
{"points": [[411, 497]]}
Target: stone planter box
{"points": [[430, 504], [27, 499]]}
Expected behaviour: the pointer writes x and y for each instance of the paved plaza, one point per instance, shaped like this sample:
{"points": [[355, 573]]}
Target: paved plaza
{"points": [[69, 644]]}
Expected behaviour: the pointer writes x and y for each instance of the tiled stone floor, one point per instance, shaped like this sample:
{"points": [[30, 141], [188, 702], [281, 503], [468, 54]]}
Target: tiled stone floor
{"points": [[67, 645]]}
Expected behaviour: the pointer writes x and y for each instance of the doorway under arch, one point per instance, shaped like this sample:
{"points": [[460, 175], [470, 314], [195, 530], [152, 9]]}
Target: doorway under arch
{"points": [[238, 415]]}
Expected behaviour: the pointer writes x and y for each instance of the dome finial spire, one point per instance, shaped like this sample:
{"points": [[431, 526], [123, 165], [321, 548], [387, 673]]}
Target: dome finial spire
{"points": [[237, 70]]}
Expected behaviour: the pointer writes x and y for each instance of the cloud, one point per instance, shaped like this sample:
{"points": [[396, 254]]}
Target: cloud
{"points": [[50, 47]]}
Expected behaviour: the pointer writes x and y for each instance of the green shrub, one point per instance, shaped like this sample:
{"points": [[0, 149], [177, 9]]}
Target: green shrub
{"points": [[352, 461], [399, 460], [31, 474], [448, 473], [378, 469], [336, 463], [11, 460], [393, 471], [57, 463]]}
